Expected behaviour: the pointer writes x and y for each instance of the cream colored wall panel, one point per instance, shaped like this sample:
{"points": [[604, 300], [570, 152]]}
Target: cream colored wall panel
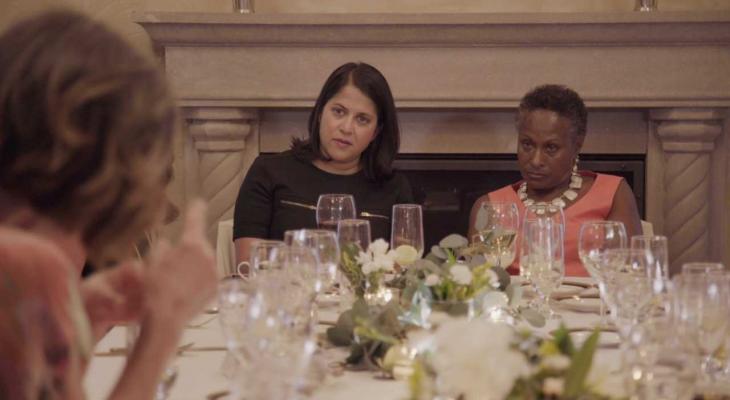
{"points": [[457, 6], [476, 77]]}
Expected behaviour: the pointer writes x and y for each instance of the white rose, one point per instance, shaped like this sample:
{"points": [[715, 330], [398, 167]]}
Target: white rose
{"points": [[461, 274], [556, 362], [363, 258], [553, 386], [369, 267], [378, 247], [432, 280], [463, 358], [383, 262]]}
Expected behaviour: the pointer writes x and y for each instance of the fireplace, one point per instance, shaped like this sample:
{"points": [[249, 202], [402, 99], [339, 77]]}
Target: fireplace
{"points": [[448, 185]]}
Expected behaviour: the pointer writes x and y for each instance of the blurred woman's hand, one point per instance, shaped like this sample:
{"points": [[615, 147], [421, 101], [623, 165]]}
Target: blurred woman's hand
{"points": [[180, 280]]}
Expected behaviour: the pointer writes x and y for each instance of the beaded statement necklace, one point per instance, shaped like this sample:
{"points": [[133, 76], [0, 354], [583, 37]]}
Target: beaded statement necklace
{"points": [[570, 194]]}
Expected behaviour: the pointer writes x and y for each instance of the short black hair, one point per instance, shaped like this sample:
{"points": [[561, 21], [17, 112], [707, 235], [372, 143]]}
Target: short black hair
{"points": [[557, 98], [377, 159]]}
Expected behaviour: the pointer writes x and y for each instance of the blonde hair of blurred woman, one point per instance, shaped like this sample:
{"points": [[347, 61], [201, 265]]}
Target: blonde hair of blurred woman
{"points": [[85, 131]]}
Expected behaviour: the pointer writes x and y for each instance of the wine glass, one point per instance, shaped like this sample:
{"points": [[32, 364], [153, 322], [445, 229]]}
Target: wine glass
{"points": [[331, 208], [236, 299], [535, 212], [545, 260], [659, 363], [702, 307], [594, 239], [407, 227], [496, 227], [325, 246], [627, 285]]}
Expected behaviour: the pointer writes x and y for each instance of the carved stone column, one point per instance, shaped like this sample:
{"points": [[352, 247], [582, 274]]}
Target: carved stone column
{"points": [[687, 139], [221, 145]]}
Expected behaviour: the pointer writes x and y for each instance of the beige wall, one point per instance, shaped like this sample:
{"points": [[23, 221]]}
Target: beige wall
{"points": [[117, 12]]}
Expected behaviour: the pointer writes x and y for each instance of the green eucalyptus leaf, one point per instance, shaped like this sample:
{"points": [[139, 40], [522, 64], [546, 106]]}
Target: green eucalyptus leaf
{"points": [[533, 317], [562, 340], [580, 366], [504, 278], [360, 309], [514, 292], [357, 352], [339, 336], [453, 241], [438, 252], [433, 259]]}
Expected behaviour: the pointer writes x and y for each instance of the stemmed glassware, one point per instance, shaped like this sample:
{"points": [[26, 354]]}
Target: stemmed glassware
{"points": [[496, 229], [545, 259], [332, 208], [594, 239], [657, 253], [236, 300], [326, 248], [407, 227], [701, 306], [536, 212], [626, 282]]}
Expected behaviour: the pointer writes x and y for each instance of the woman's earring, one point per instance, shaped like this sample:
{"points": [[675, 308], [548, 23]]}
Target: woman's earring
{"points": [[575, 165]]}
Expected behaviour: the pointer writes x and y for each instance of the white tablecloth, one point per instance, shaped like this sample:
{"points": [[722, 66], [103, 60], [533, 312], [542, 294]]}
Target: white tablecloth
{"points": [[200, 372]]}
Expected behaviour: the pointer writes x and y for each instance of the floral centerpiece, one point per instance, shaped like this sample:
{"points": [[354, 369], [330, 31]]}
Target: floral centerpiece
{"points": [[490, 361], [365, 270]]}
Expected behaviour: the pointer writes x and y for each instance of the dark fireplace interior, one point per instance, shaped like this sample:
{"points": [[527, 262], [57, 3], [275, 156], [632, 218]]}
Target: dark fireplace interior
{"points": [[448, 184]]}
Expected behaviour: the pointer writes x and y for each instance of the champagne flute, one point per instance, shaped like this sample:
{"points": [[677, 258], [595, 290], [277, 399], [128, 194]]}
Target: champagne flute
{"points": [[594, 238], [331, 208], [545, 260], [657, 253], [407, 227], [496, 229]]}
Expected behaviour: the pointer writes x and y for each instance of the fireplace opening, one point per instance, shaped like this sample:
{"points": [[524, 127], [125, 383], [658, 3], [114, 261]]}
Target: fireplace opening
{"points": [[447, 185]]}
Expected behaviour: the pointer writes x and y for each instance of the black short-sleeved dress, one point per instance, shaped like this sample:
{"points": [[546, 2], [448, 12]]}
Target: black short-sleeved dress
{"points": [[280, 193]]}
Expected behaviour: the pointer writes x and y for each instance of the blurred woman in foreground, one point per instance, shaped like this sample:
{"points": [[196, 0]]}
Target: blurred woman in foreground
{"points": [[86, 129]]}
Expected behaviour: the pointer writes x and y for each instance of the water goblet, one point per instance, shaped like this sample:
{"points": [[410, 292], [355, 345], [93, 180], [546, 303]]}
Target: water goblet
{"points": [[545, 260], [332, 208], [326, 248], [536, 212]]}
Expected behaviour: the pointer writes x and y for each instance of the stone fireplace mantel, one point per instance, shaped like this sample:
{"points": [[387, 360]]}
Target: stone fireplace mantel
{"points": [[657, 84]]}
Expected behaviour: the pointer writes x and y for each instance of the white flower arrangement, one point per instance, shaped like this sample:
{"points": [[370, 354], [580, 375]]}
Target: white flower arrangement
{"points": [[377, 258], [475, 360]]}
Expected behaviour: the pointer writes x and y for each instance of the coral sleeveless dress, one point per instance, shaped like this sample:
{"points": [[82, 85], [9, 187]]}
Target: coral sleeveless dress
{"points": [[594, 205]]}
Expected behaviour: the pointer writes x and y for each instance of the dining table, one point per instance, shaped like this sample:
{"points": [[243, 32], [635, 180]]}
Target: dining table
{"points": [[203, 368]]}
